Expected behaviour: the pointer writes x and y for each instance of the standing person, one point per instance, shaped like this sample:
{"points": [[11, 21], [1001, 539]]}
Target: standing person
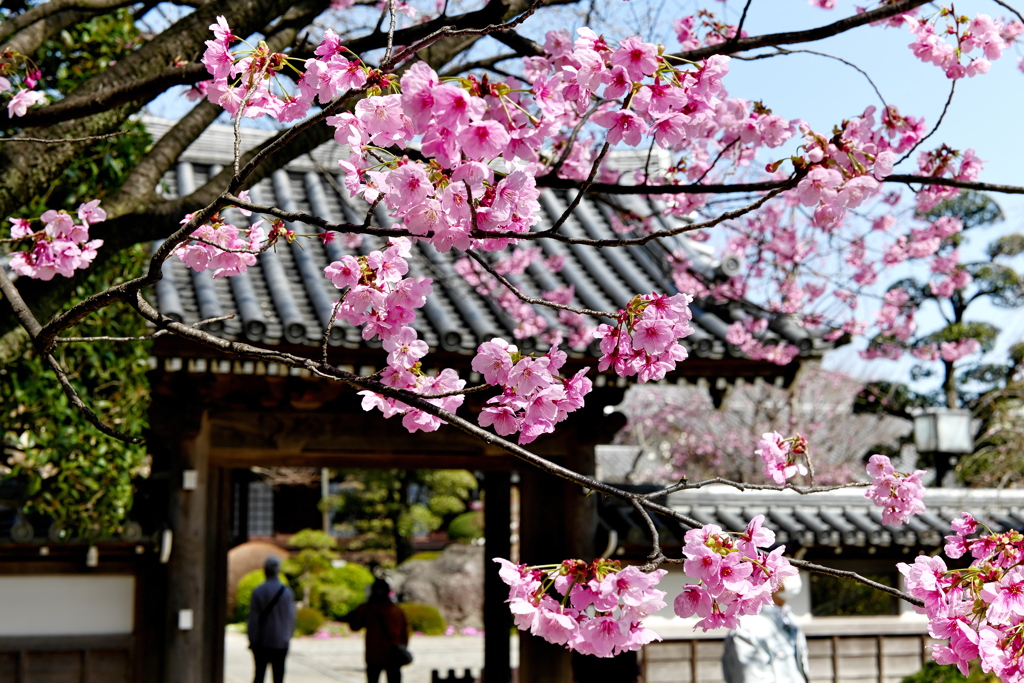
{"points": [[271, 622], [387, 633], [768, 647]]}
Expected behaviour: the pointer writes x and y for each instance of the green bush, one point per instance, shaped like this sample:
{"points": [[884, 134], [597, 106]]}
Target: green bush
{"points": [[313, 538], [355, 576], [307, 621], [467, 526], [938, 673], [424, 618], [243, 595], [341, 589], [337, 601]]}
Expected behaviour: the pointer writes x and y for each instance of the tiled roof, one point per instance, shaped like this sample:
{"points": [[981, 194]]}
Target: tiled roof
{"points": [[285, 299], [841, 518]]}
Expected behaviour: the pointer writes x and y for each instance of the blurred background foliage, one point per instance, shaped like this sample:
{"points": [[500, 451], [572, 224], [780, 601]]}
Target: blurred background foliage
{"points": [[55, 464]]}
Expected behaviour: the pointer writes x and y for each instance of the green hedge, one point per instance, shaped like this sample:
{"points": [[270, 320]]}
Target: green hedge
{"points": [[424, 618]]}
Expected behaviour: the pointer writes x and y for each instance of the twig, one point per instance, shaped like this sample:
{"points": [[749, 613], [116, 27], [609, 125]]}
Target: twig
{"points": [[327, 330], [728, 215], [78, 403], [579, 195], [945, 108], [804, 490], [534, 300], [145, 337], [743, 19], [391, 31], [718, 158], [782, 52], [1007, 6]]}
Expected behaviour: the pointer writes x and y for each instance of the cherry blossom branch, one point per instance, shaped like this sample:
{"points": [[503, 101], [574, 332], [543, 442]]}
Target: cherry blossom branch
{"points": [[907, 179], [310, 219], [452, 31], [803, 490], [728, 215], [556, 183], [531, 299], [59, 141], [854, 576], [420, 403], [808, 36]]}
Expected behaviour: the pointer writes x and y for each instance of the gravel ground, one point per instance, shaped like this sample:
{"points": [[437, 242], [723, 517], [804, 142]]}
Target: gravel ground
{"points": [[312, 660]]}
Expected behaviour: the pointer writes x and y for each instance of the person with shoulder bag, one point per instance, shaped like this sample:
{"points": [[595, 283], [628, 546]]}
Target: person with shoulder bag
{"points": [[271, 622], [387, 633]]}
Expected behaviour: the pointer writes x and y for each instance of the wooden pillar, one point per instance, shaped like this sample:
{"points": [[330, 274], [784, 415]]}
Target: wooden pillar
{"points": [[497, 618], [188, 651], [558, 521]]}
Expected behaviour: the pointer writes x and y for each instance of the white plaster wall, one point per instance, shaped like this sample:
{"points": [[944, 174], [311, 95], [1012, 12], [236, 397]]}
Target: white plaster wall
{"points": [[50, 605]]}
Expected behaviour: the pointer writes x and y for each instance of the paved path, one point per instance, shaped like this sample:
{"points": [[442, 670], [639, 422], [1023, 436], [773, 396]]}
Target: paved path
{"points": [[341, 659]]}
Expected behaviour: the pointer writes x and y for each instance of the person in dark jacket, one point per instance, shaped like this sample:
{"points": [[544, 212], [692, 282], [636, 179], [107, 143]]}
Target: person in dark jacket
{"points": [[271, 622], [387, 630]]}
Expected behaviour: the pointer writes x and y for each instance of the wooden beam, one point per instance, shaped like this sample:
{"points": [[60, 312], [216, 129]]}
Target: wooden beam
{"points": [[252, 457]]}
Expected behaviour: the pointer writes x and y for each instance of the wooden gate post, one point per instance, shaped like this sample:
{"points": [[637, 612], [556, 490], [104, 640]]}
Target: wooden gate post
{"points": [[187, 648], [498, 535]]}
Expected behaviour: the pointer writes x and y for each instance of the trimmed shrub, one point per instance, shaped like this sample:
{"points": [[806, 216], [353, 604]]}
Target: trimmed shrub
{"points": [[340, 590], [307, 621], [338, 601], [243, 594], [313, 538], [467, 527], [424, 618]]}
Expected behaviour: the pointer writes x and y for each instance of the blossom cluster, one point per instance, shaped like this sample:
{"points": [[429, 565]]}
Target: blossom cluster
{"points": [[744, 335], [61, 247], [982, 33], [735, 576], [221, 246], [780, 456], [20, 67], [534, 397], [381, 301], [978, 610], [900, 496], [594, 609], [645, 339]]}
